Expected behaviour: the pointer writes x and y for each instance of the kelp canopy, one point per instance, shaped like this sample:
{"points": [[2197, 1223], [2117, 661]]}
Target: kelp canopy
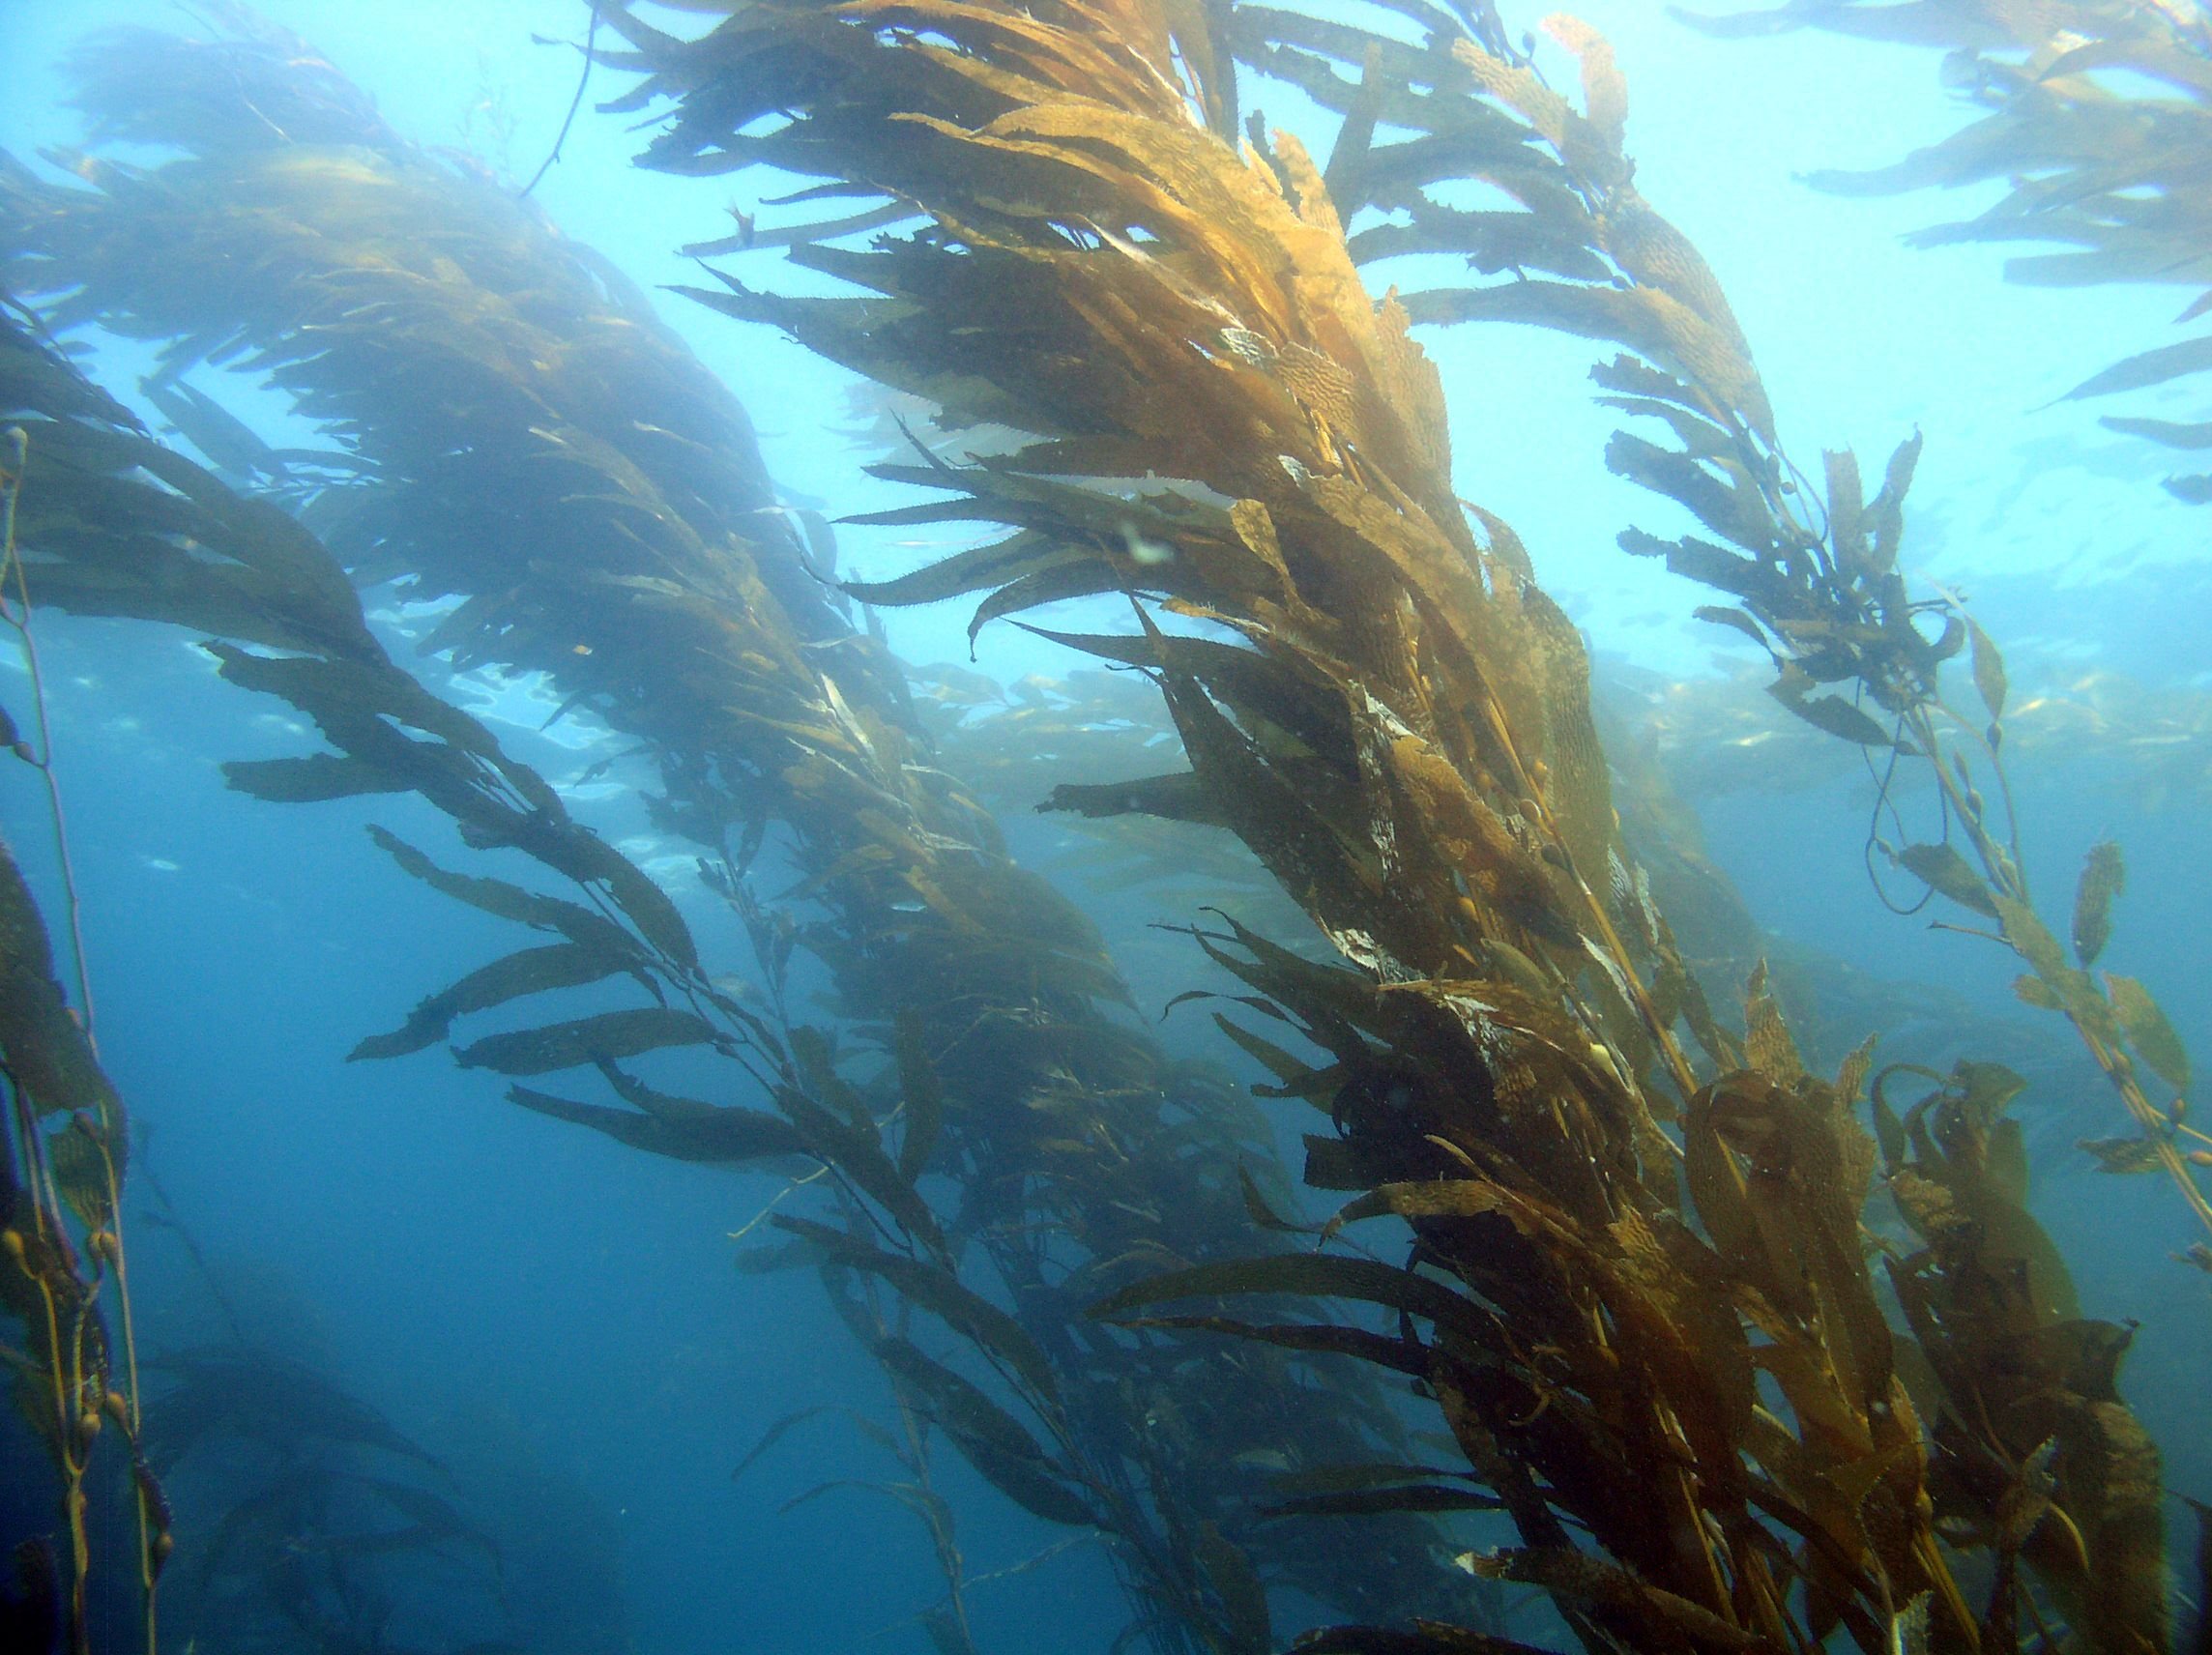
{"points": [[1634, 1231]]}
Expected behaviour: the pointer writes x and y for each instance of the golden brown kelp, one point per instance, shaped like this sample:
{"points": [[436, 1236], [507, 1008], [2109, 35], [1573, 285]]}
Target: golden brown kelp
{"points": [[60, 1262], [2037, 1457], [539, 476], [1396, 720], [1821, 590], [1816, 580], [2098, 118]]}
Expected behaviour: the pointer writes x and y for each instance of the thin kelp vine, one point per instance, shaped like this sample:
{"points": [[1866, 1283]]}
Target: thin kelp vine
{"points": [[529, 441], [1636, 1239], [2117, 176], [62, 1261]]}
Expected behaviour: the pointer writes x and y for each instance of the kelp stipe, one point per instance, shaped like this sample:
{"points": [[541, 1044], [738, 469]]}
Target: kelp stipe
{"points": [[2116, 174]]}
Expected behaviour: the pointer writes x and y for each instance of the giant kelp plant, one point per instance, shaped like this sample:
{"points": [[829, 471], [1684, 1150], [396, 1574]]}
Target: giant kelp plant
{"points": [[1384, 707], [2116, 174], [1637, 1248]]}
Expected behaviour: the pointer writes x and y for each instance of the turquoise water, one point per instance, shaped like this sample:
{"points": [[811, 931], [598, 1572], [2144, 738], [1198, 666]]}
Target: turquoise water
{"points": [[556, 1320]]}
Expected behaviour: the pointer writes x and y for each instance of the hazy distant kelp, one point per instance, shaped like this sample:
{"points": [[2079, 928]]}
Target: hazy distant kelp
{"points": [[1396, 721], [333, 1528], [2098, 117], [474, 363]]}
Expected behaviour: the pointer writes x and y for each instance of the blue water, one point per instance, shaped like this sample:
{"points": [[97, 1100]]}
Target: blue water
{"points": [[558, 1318]]}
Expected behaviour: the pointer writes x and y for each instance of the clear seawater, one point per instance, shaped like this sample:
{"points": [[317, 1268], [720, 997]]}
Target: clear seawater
{"points": [[558, 1319]]}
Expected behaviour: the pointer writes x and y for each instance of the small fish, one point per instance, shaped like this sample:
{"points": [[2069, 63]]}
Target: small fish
{"points": [[1143, 551]]}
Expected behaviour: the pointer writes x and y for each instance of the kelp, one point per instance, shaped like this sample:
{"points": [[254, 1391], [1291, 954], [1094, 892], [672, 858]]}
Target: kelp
{"points": [[67, 1143], [1620, 1252], [61, 1267], [526, 439], [1815, 575], [2036, 1456], [326, 1509], [2098, 119], [1397, 723]]}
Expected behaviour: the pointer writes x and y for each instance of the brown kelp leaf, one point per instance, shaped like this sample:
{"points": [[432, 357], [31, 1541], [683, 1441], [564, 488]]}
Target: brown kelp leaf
{"points": [[1885, 512], [1988, 670], [987, 1436], [1236, 1584], [2147, 1030], [2122, 1154], [1293, 1077], [1829, 713], [607, 1036], [2169, 433], [1329, 1479], [856, 1150], [2104, 876], [1304, 1275], [920, 1094], [775, 1433], [940, 1293], [1943, 869], [1768, 1044], [531, 970], [1261, 1213], [1401, 1356], [42, 1043], [728, 1136], [1445, 1198], [1374, 1502], [578, 923], [1584, 1575], [2147, 367], [87, 1163], [314, 779]]}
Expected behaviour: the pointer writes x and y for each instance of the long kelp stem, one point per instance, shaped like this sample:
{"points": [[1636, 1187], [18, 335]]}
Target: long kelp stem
{"points": [[19, 617]]}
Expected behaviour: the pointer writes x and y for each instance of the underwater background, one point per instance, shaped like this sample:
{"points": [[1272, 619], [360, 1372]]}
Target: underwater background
{"points": [[546, 1336]]}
